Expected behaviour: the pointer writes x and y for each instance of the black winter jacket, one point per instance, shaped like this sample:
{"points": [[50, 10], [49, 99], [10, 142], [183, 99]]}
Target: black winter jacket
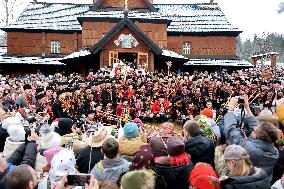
{"points": [[84, 158], [175, 176], [3, 135], [257, 180], [201, 149], [25, 154]]}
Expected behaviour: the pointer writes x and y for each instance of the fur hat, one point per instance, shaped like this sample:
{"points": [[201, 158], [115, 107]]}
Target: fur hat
{"points": [[16, 133], [138, 180], [11, 121], [49, 139]]}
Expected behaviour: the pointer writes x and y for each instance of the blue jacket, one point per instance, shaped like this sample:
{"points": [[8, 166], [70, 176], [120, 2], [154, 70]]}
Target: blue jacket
{"points": [[262, 154]]}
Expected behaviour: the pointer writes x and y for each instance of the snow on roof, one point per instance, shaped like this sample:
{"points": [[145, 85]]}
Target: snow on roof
{"points": [[214, 62], [172, 54], [195, 17], [50, 17], [63, 16], [30, 60], [78, 54], [101, 13], [3, 50]]}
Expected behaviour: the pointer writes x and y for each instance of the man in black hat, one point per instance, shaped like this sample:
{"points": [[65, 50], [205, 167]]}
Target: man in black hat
{"points": [[27, 98]]}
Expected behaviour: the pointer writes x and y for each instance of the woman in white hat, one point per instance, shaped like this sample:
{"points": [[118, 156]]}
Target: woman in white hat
{"points": [[92, 154]]}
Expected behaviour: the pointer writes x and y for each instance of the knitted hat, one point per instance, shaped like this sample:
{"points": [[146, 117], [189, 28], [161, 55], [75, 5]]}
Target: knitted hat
{"points": [[175, 146], [64, 126], [167, 129], [144, 158], [137, 179], [203, 176], [235, 152], [49, 154], [207, 112], [16, 133], [139, 123], [130, 130]]}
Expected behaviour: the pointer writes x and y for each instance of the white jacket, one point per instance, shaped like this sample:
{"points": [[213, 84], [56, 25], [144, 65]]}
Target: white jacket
{"points": [[10, 147]]}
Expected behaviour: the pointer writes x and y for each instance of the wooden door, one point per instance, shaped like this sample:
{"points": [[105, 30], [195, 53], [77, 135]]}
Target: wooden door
{"points": [[143, 60], [113, 57]]}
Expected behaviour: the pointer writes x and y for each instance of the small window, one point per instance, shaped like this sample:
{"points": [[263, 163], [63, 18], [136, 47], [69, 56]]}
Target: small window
{"points": [[55, 47], [186, 48]]}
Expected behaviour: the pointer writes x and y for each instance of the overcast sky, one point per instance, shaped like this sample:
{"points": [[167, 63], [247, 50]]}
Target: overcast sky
{"points": [[251, 16]]}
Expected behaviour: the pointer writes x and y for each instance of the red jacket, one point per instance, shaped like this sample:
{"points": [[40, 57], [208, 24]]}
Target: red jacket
{"points": [[156, 108]]}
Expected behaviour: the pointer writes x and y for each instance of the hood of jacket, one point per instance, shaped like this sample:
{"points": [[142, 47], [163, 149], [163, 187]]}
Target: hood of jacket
{"points": [[256, 179], [197, 145], [110, 169]]}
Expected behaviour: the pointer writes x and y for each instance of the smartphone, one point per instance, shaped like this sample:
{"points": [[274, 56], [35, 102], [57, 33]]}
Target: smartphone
{"points": [[78, 179]]}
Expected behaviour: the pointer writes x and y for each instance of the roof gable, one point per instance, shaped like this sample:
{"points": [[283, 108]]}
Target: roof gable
{"points": [[132, 4], [126, 22]]}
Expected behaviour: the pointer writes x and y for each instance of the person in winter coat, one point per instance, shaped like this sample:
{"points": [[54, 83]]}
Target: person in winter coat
{"points": [[24, 154], [94, 148], [157, 142], [242, 174], [16, 138], [112, 166], [62, 164], [131, 142], [176, 167], [260, 145], [200, 148]]}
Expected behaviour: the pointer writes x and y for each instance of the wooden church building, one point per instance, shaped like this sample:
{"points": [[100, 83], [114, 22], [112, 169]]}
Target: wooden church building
{"points": [[79, 37]]}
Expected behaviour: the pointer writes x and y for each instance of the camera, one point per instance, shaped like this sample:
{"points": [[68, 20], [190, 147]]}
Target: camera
{"points": [[241, 100], [78, 179]]}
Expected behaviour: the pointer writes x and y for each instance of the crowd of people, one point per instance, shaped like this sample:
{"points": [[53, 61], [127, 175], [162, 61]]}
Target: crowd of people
{"points": [[101, 124]]}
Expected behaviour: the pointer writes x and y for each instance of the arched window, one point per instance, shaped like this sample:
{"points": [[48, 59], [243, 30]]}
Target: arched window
{"points": [[55, 47], [186, 48]]}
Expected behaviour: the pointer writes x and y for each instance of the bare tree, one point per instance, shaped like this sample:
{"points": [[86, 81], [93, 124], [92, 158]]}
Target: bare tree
{"points": [[10, 10]]}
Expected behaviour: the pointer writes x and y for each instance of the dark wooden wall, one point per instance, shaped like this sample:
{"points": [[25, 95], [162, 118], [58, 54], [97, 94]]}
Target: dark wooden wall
{"points": [[209, 45], [156, 32], [93, 32], [121, 4], [29, 44]]}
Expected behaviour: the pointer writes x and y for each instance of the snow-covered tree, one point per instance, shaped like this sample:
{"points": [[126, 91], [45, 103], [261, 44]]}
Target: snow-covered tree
{"points": [[281, 7]]}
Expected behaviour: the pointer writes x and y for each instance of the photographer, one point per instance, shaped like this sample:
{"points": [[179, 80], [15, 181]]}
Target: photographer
{"points": [[260, 144]]}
